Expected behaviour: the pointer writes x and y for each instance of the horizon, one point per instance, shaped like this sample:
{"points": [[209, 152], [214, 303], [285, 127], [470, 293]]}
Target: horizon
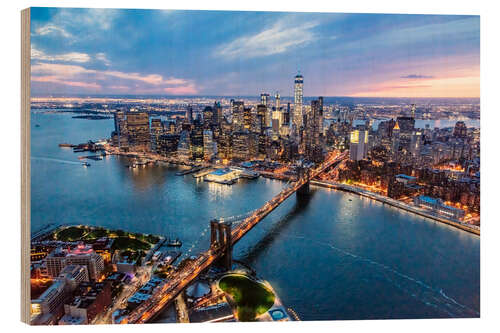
{"points": [[83, 95], [79, 51]]}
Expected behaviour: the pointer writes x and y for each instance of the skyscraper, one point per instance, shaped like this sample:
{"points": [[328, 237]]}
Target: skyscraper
{"points": [[208, 116], [238, 109], [224, 146], [189, 114], [139, 137], [264, 99], [262, 116], [460, 130], [197, 141], [313, 147], [156, 131], [217, 119], [277, 117], [298, 97], [359, 145], [247, 118]]}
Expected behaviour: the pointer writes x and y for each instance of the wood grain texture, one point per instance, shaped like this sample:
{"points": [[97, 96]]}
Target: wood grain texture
{"points": [[25, 164]]}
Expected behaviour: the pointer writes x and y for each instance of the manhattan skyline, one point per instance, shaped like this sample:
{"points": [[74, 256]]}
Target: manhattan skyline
{"points": [[162, 52]]}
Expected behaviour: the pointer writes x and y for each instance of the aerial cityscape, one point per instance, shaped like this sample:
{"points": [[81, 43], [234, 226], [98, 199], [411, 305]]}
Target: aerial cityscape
{"points": [[282, 185]]}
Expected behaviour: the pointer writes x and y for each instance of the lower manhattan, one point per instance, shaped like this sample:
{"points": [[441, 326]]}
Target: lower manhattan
{"points": [[227, 166]]}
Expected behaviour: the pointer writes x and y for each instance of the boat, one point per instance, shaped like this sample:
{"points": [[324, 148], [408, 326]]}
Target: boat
{"points": [[174, 242], [86, 164], [37, 125]]}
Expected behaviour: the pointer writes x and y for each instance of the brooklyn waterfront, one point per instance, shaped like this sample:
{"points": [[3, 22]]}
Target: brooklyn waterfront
{"points": [[330, 255]]}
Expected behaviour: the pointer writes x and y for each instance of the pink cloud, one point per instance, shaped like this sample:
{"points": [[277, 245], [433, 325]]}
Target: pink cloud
{"points": [[79, 76], [55, 79], [181, 90]]}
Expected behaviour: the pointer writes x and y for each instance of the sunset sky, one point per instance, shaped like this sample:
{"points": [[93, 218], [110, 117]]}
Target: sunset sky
{"points": [[161, 52]]}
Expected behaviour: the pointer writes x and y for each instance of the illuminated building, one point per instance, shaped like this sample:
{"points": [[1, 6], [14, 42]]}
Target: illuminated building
{"points": [[55, 262], [460, 130], [437, 206], [73, 275], [85, 256], [313, 146], [139, 137], [247, 119], [358, 147], [244, 145], [406, 128], [189, 115], [277, 120], [120, 136], [298, 97], [395, 141], [209, 146], [168, 144], [237, 112], [262, 117], [264, 100], [217, 115], [223, 176], [416, 143], [89, 300], [184, 147], [225, 148], [208, 116], [46, 309], [197, 141], [156, 131]]}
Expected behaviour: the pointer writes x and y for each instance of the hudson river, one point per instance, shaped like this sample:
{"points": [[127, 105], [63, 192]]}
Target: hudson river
{"points": [[332, 256]]}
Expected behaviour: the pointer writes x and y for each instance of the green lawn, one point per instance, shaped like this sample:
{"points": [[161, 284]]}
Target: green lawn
{"points": [[125, 243], [97, 233], [71, 234], [252, 298]]}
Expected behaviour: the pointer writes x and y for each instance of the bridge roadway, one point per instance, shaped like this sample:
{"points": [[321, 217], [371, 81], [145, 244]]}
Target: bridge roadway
{"points": [[165, 293]]}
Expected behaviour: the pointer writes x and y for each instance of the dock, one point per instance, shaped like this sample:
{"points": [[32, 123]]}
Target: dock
{"points": [[203, 172], [189, 171]]}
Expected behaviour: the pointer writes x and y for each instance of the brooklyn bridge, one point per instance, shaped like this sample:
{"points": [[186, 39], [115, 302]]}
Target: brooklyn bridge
{"points": [[224, 233]]}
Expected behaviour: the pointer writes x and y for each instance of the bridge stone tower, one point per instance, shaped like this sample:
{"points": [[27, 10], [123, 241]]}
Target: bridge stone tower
{"points": [[304, 190], [220, 240]]}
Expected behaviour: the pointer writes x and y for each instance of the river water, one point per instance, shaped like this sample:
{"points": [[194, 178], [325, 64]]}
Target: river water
{"points": [[332, 255]]}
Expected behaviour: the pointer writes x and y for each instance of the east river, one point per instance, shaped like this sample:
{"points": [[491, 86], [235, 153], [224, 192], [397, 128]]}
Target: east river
{"points": [[331, 256]]}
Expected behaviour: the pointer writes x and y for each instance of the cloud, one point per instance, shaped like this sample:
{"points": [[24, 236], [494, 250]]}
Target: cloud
{"points": [[68, 22], [436, 33], [77, 57], [416, 76], [64, 57], [79, 76], [189, 89], [103, 58], [52, 29], [153, 79], [57, 80], [279, 38]]}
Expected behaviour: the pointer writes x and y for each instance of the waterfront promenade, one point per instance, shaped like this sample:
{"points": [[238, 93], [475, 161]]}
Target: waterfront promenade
{"points": [[396, 203]]}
